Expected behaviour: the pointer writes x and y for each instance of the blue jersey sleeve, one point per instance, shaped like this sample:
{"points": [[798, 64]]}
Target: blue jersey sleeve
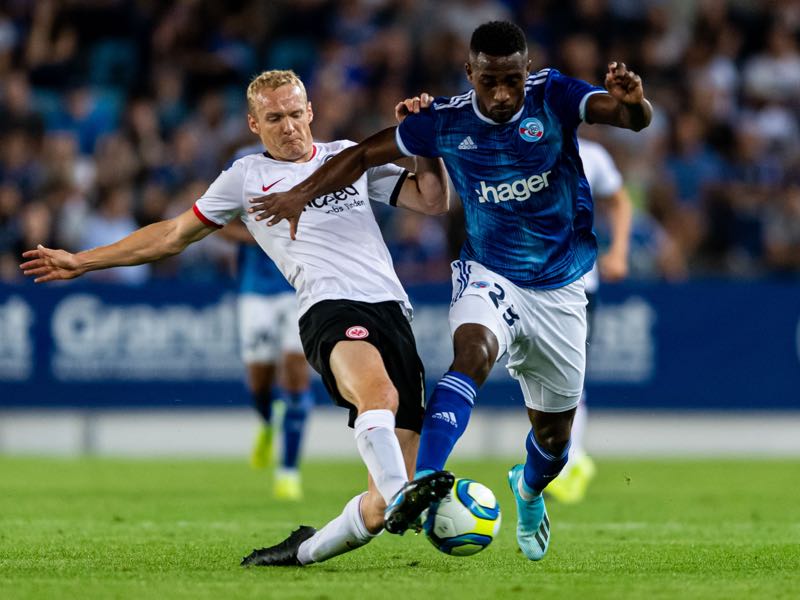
{"points": [[567, 97], [416, 135]]}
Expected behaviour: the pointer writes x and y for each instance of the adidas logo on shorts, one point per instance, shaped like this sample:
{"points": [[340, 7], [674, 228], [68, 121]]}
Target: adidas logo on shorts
{"points": [[447, 417]]}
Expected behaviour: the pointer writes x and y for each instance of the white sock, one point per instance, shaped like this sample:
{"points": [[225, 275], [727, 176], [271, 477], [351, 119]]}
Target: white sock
{"points": [[578, 430], [377, 443], [525, 492], [346, 532]]}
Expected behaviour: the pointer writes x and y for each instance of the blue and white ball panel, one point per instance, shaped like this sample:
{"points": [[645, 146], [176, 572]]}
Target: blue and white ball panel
{"points": [[465, 521]]}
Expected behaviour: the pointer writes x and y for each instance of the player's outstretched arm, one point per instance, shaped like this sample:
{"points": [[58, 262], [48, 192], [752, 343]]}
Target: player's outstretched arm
{"points": [[144, 245], [624, 105], [342, 170]]}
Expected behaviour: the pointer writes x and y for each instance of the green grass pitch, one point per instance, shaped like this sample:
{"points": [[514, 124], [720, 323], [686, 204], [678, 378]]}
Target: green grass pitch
{"points": [[98, 528]]}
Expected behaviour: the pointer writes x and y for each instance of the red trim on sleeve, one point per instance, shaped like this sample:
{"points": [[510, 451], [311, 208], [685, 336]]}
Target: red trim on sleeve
{"points": [[204, 218]]}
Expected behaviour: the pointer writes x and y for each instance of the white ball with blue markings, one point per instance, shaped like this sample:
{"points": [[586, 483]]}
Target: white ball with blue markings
{"points": [[465, 521]]}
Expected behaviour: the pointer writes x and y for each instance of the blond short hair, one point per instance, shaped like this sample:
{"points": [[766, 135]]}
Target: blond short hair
{"points": [[272, 80]]}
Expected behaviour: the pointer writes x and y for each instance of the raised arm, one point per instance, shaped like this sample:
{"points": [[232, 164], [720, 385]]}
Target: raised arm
{"points": [[625, 105], [148, 244]]}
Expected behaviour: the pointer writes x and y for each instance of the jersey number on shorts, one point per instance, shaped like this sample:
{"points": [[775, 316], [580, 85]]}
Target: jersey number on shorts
{"points": [[509, 316]]}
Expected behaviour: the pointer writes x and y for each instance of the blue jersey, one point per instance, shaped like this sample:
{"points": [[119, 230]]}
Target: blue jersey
{"points": [[257, 273], [527, 204]]}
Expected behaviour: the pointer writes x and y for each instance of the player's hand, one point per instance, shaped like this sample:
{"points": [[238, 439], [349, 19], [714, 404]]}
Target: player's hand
{"points": [[412, 106], [46, 264], [624, 85], [613, 266], [276, 207]]}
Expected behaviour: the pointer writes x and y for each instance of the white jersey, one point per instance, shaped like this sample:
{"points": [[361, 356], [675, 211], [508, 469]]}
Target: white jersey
{"points": [[339, 252], [604, 180], [602, 174]]}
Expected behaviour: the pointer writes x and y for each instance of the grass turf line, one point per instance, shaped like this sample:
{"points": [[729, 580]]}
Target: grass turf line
{"points": [[101, 528]]}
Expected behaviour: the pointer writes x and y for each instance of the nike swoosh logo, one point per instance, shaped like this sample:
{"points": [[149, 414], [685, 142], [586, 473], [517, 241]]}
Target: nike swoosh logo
{"points": [[265, 188]]}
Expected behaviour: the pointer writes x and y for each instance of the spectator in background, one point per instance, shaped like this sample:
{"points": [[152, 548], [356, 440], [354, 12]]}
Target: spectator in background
{"points": [[774, 73], [10, 232], [112, 220], [143, 91], [691, 168], [17, 111], [51, 48], [19, 161], [419, 248], [782, 232], [85, 115]]}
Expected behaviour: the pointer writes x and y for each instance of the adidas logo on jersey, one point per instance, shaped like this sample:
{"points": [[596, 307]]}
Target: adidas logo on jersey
{"points": [[447, 417], [467, 144], [519, 190]]}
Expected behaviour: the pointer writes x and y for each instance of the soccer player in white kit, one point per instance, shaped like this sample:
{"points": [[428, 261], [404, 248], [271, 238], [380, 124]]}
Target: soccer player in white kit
{"points": [[354, 320], [613, 203]]}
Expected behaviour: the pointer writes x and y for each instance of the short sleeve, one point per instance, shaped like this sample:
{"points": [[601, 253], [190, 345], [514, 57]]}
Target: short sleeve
{"points": [[222, 201], [567, 97], [604, 178], [416, 135], [385, 182]]}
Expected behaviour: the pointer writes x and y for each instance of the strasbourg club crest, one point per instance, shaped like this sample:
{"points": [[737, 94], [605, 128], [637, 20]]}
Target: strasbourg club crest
{"points": [[531, 130]]}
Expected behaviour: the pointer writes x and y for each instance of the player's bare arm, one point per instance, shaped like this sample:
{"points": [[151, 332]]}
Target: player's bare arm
{"points": [[342, 170], [618, 208], [426, 190], [235, 231], [625, 105], [148, 244]]}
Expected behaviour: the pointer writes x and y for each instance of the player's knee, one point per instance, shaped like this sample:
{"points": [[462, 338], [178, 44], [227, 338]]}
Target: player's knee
{"points": [[387, 398], [553, 438], [382, 396], [296, 373], [475, 359], [476, 349]]}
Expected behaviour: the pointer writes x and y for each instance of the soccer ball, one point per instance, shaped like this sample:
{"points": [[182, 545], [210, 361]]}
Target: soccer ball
{"points": [[465, 521]]}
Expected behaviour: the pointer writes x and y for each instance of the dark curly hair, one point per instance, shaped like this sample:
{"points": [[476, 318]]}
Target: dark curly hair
{"points": [[498, 38]]}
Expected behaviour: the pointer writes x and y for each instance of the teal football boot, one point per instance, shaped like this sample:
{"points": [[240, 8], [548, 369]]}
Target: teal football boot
{"points": [[533, 526]]}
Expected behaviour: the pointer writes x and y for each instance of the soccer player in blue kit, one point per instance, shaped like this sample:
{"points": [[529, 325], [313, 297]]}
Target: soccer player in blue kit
{"points": [[510, 147], [272, 352]]}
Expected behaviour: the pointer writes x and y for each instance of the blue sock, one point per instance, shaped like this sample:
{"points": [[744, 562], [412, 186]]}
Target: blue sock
{"points": [[262, 402], [446, 418], [298, 405], [541, 467]]}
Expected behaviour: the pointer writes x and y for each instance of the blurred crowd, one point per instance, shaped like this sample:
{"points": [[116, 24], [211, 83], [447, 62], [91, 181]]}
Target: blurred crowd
{"points": [[118, 113]]}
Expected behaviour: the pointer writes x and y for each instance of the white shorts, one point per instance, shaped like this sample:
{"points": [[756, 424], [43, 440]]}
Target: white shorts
{"points": [[268, 327], [542, 331]]}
